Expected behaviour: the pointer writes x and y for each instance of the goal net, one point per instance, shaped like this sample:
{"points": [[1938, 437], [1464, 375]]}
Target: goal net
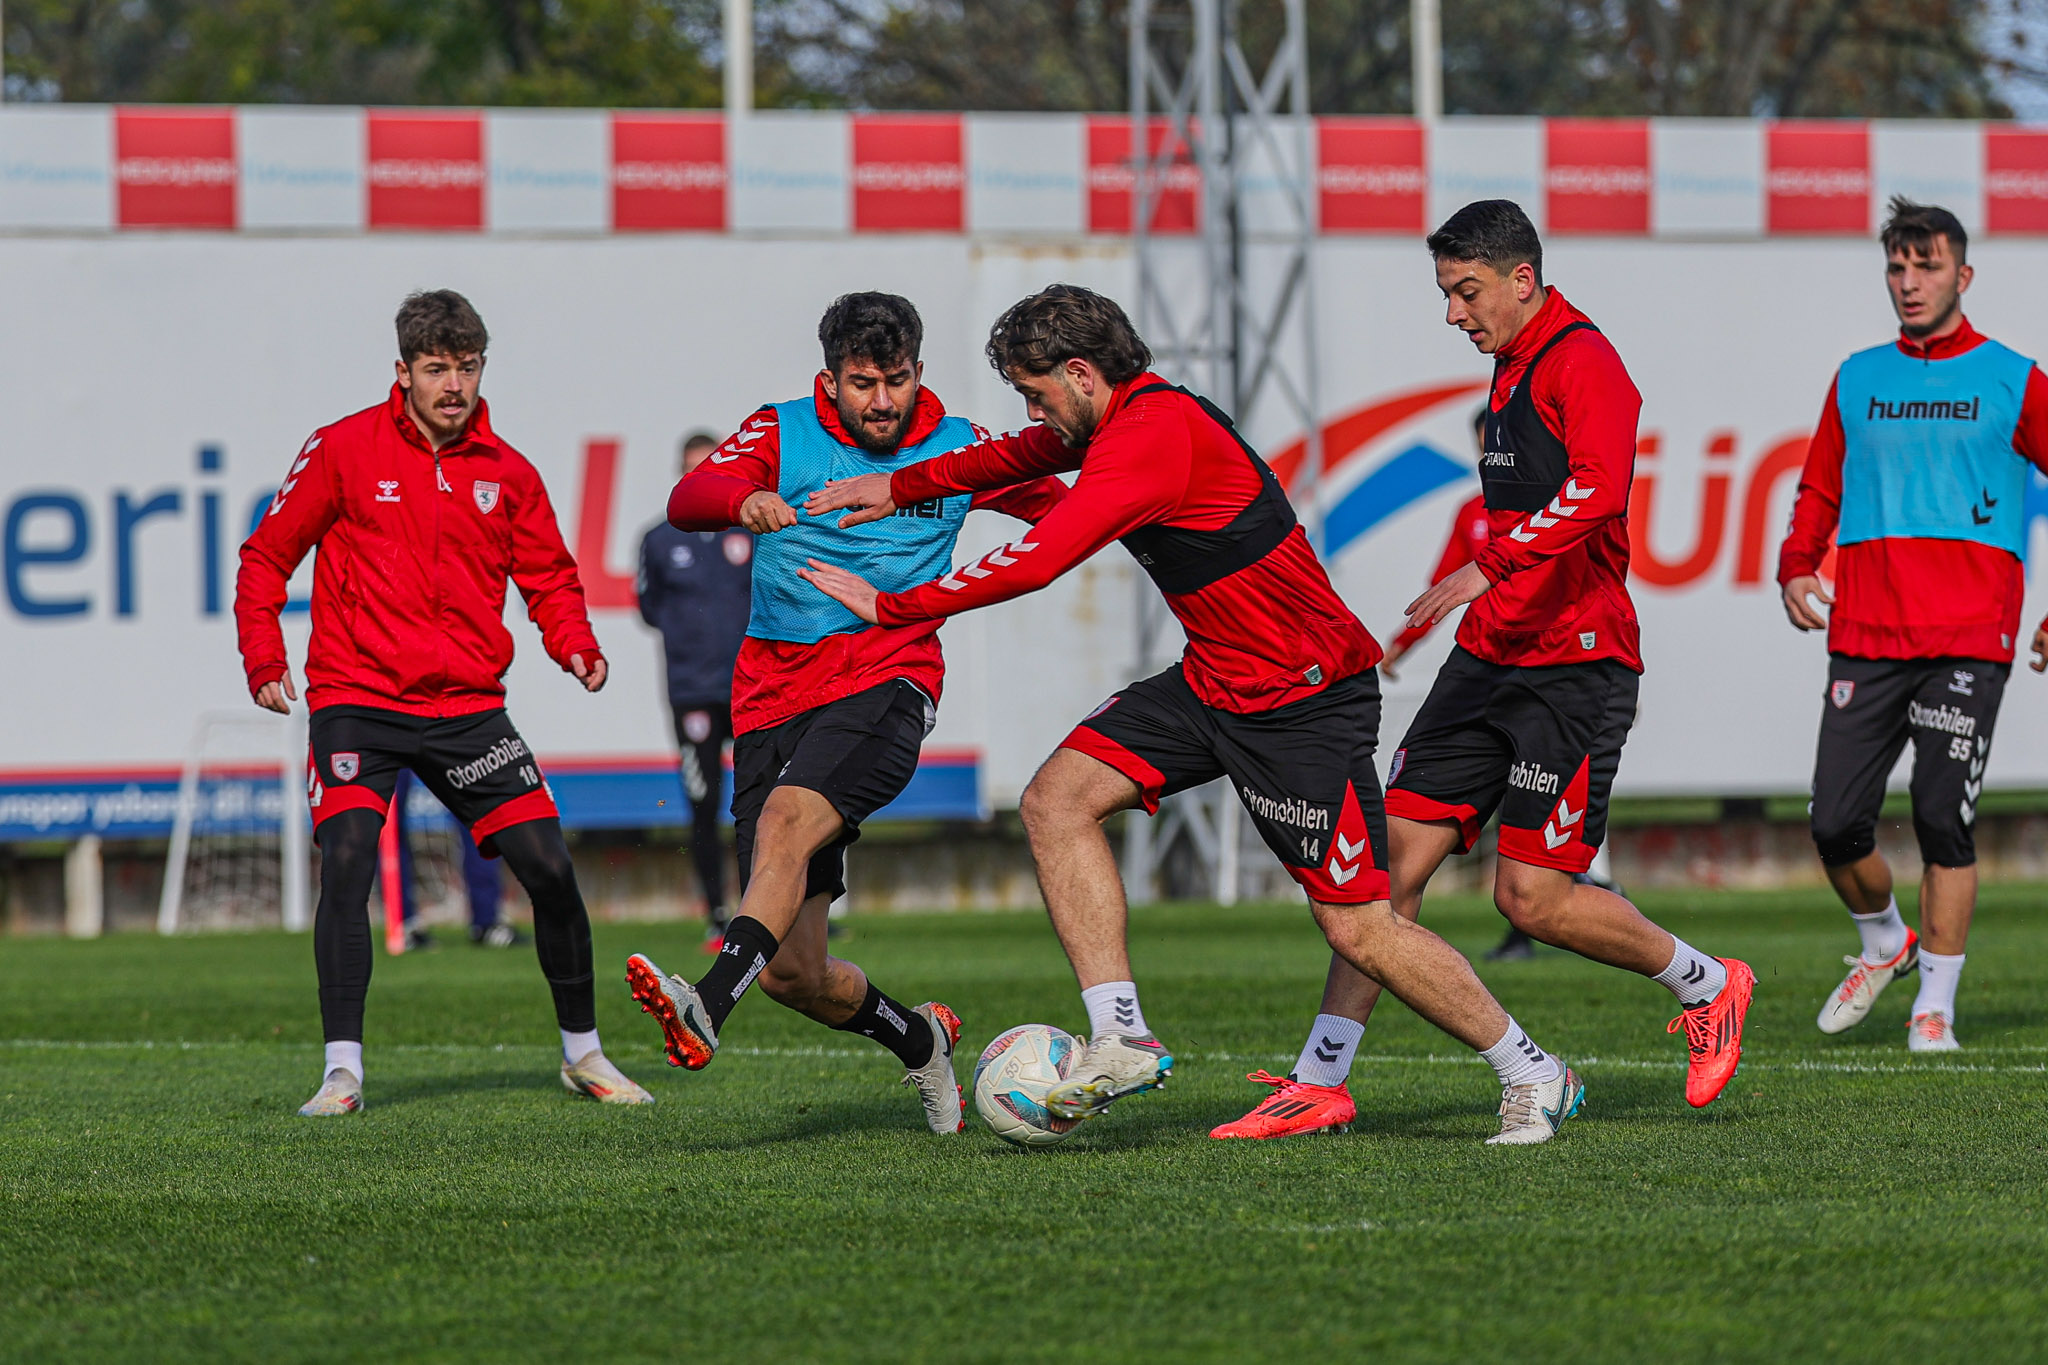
{"points": [[239, 855]]}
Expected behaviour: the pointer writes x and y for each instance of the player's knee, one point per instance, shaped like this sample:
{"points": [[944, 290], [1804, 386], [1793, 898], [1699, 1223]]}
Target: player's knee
{"points": [[1042, 809], [1360, 933], [1946, 844], [1841, 842], [1531, 898]]}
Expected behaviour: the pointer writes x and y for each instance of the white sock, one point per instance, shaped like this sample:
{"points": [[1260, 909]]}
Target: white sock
{"points": [[1113, 1008], [1939, 977], [1517, 1061], [1884, 933], [1326, 1056], [577, 1046], [347, 1056], [1692, 976]]}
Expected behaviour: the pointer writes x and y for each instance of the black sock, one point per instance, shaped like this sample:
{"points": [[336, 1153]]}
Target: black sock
{"points": [[748, 948], [892, 1024]]}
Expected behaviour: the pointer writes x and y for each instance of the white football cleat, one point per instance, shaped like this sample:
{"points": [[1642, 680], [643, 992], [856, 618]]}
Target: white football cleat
{"points": [[1932, 1032], [1111, 1066], [1533, 1113], [340, 1093], [594, 1075], [1846, 1008], [935, 1082]]}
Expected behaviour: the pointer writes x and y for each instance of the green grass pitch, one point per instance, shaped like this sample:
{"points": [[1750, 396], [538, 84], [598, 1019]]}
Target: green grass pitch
{"points": [[160, 1201]]}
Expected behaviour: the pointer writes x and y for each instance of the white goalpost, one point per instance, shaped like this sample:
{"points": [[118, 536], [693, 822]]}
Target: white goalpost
{"points": [[239, 834]]}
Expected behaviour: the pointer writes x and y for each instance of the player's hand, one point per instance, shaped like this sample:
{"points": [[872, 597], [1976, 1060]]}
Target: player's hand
{"points": [[1387, 662], [764, 513], [2040, 648], [1449, 594], [592, 674], [850, 590], [278, 696], [867, 494], [1800, 611]]}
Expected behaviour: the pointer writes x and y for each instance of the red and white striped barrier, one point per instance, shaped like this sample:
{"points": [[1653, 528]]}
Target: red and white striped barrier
{"points": [[290, 169]]}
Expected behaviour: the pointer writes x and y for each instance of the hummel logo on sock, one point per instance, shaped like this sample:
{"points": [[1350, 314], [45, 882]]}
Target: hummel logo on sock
{"points": [[1126, 1011], [1529, 1049], [1695, 974], [1327, 1051]]}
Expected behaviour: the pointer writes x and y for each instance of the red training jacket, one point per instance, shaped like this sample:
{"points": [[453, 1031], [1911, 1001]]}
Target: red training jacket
{"points": [[1558, 577], [1271, 633], [1469, 534], [776, 679], [1902, 597], [409, 584]]}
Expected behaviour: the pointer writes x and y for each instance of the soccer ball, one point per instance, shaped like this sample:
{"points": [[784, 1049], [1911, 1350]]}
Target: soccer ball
{"points": [[1012, 1076]]}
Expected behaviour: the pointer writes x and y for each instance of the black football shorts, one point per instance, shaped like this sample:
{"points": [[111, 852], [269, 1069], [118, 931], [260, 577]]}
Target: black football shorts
{"points": [[1540, 745], [475, 765], [1947, 707], [859, 753], [1303, 771]]}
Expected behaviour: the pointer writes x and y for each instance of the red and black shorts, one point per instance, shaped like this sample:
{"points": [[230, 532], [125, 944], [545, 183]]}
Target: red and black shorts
{"points": [[1303, 771], [475, 765], [1541, 745]]}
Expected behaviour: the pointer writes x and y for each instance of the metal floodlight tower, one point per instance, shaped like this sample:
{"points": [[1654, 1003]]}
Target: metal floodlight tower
{"points": [[1242, 332]]}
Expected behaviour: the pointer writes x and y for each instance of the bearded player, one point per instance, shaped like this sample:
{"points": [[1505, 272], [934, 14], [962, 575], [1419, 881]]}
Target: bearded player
{"points": [[1528, 714], [1276, 690], [421, 513], [829, 709], [1919, 471]]}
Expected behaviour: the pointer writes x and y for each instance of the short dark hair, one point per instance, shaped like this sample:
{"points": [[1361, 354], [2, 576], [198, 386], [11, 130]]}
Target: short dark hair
{"points": [[1479, 416], [1495, 231], [1913, 227], [1064, 322], [883, 329], [696, 439], [439, 322]]}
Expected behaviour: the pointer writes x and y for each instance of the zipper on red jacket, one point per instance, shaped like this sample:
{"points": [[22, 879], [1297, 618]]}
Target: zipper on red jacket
{"points": [[440, 626]]}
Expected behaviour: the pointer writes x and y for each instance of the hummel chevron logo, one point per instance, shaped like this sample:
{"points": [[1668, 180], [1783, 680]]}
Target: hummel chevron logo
{"points": [[1126, 1011], [1565, 504], [1562, 820], [1694, 974], [1327, 1052], [1003, 556], [1344, 862], [723, 459], [291, 479]]}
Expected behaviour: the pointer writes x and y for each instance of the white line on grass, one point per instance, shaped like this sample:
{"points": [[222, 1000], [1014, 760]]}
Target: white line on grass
{"points": [[1751, 1061]]}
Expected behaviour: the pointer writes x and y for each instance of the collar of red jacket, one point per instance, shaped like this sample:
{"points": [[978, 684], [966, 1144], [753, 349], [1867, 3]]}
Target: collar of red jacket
{"points": [[924, 418], [476, 439], [1963, 338], [1554, 316], [1121, 394]]}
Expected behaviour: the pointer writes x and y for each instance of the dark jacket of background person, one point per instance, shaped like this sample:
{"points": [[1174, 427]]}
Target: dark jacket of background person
{"points": [[696, 588]]}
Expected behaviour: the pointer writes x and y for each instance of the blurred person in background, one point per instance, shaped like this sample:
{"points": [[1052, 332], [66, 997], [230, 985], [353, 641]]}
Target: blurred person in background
{"points": [[697, 589]]}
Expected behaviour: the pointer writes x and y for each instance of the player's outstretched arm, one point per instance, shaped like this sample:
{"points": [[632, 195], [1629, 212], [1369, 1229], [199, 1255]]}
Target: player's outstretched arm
{"points": [[714, 495]]}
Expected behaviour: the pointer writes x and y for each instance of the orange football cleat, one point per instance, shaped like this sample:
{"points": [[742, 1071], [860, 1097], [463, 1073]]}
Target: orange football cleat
{"points": [[1294, 1108], [1713, 1034]]}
